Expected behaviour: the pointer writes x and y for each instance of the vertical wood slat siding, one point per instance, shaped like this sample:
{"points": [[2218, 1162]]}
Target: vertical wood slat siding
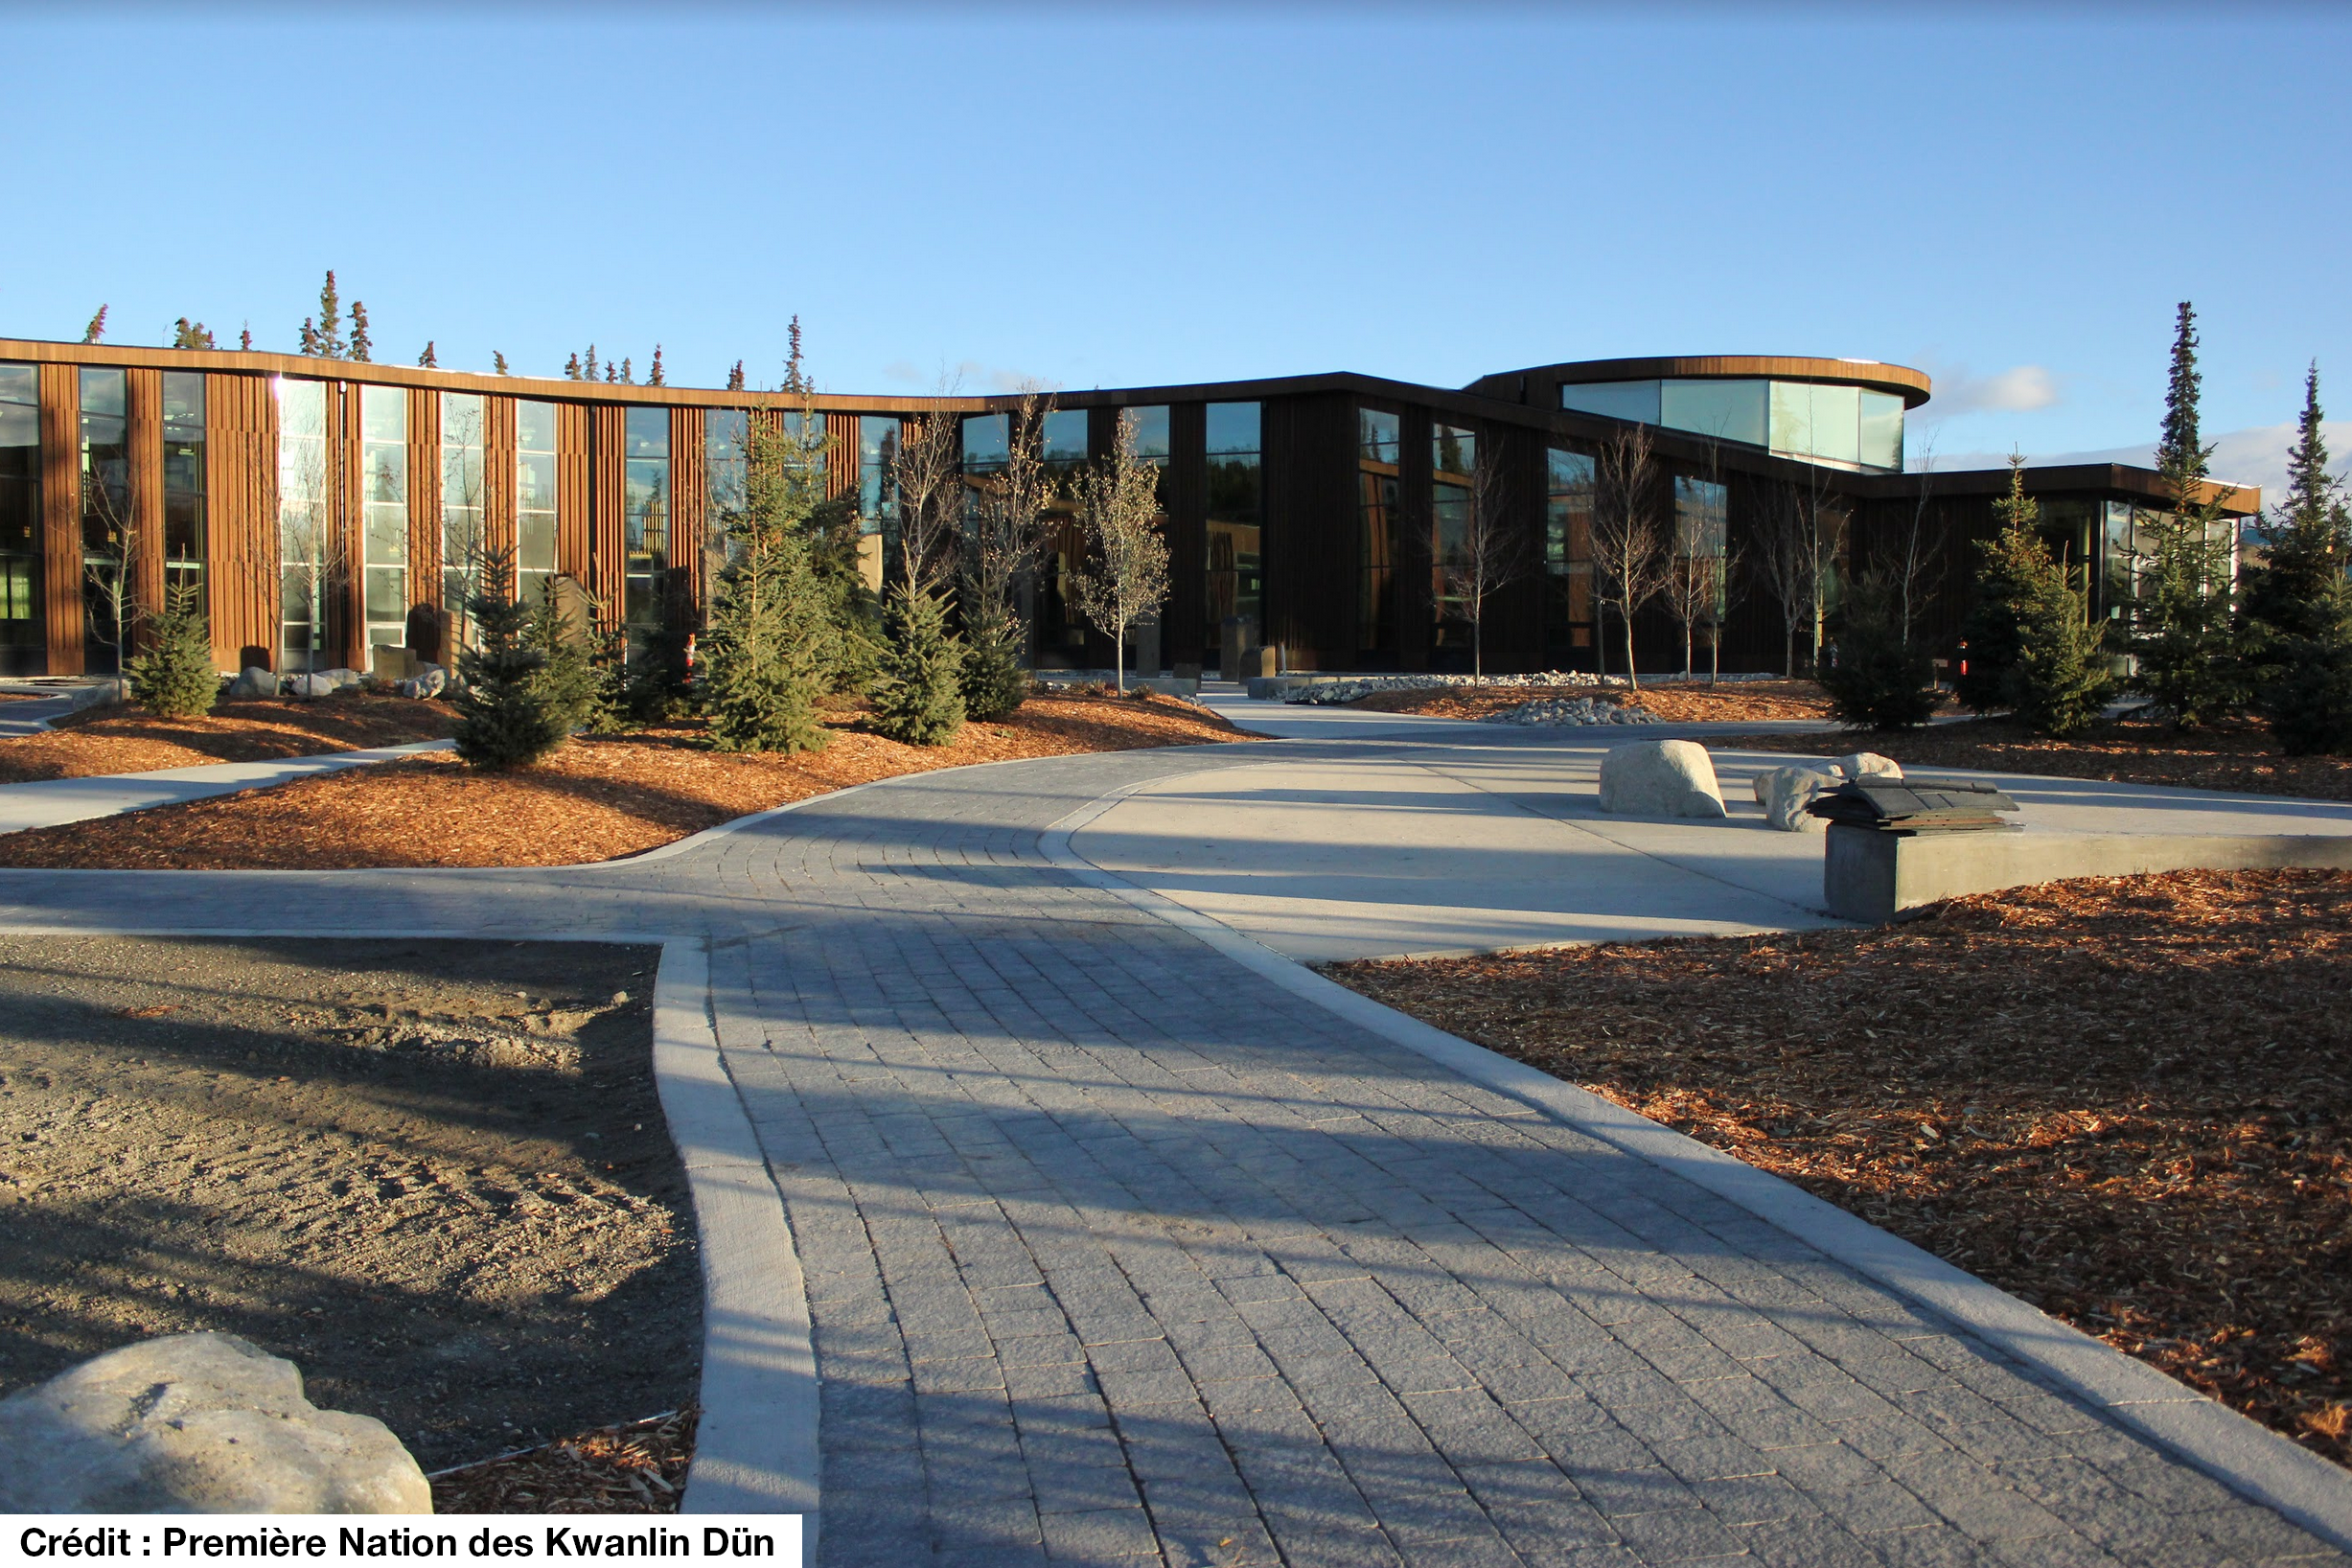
{"points": [[608, 473], [1311, 550], [346, 637], [499, 475], [241, 519], [143, 427], [425, 498], [842, 454], [61, 609], [573, 533], [689, 514]]}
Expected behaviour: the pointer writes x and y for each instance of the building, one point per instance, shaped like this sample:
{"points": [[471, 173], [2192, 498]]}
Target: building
{"points": [[326, 508]]}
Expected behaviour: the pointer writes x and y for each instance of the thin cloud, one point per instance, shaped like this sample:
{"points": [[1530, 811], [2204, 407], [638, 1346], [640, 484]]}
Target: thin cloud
{"points": [[2020, 389]]}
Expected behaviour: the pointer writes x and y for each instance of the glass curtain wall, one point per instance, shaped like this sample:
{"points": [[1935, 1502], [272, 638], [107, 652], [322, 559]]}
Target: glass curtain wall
{"points": [[463, 542], [988, 447], [22, 642], [1703, 510], [726, 467], [183, 482], [1847, 426], [1062, 443], [305, 524], [107, 539], [877, 490], [645, 517], [1453, 464], [1235, 563], [1568, 555], [383, 517], [534, 499], [1379, 445]]}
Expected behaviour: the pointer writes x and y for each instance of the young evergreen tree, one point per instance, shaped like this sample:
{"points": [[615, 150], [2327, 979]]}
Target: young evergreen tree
{"points": [[97, 328], [2308, 702], [175, 678], [655, 377], [609, 661], [1879, 681], [503, 716], [361, 344], [734, 378], [2182, 632], [191, 334], [571, 368], [427, 359], [245, 338], [2006, 567], [567, 678], [920, 698], [2061, 681], [498, 362], [765, 654], [2295, 610]]}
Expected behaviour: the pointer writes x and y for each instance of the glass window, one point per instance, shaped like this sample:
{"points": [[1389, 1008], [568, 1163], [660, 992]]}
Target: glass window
{"points": [[645, 517], [648, 432], [1235, 564], [534, 497], [304, 514], [988, 442], [1150, 431], [183, 479], [725, 434], [1821, 423], [1063, 446], [1379, 444], [20, 515], [383, 502], [107, 539], [1701, 507], [1453, 461], [1568, 551], [1727, 410], [1064, 440], [1618, 399], [462, 541], [877, 453], [1881, 431]]}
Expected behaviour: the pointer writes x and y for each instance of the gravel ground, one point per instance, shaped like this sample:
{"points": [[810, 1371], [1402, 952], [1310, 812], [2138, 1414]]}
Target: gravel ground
{"points": [[434, 1174]]}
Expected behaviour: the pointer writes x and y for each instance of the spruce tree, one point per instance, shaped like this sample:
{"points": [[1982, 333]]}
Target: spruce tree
{"points": [[426, 360], [994, 682], [97, 328], [174, 679], [765, 655], [504, 719], [1879, 681], [567, 679], [498, 362], [2183, 636], [2295, 612], [2061, 681], [920, 698], [361, 345], [2006, 566], [2308, 701]]}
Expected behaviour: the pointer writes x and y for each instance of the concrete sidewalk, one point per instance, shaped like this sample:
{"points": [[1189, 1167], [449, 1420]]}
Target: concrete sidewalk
{"points": [[51, 802]]}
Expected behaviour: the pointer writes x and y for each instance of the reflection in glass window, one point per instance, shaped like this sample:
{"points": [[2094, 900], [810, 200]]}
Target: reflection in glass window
{"points": [[21, 634], [305, 516], [1063, 447], [183, 479], [462, 541], [987, 446], [1881, 431], [1701, 507], [1821, 423], [107, 577], [1150, 431], [1379, 444], [1236, 575], [383, 515], [1617, 399], [534, 499], [1568, 552], [1453, 462], [645, 516], [1064, 437], [877, 456], [1726, 410]]}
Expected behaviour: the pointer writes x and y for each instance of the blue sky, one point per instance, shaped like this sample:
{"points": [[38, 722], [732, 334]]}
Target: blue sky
{"points": [[2010, 199]]}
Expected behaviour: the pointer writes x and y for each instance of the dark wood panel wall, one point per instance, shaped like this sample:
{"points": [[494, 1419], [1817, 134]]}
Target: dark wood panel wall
{"points": [[61, 517], [241, 519]]}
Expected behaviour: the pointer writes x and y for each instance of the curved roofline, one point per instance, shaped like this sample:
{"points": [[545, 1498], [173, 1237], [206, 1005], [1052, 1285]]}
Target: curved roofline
{"points": [[1911, 386]]}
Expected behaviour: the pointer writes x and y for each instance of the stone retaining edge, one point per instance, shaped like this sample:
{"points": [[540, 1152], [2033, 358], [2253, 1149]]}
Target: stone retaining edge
{"points": [[2244, 1456]]}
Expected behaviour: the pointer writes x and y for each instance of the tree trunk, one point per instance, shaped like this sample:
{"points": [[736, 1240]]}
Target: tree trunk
{"points": [[1119, 661], [1632, 679], [1789, 652]]}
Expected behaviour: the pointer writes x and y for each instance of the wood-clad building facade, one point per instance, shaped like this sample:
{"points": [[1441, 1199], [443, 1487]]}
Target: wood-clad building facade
{"points": [[325, 509]]}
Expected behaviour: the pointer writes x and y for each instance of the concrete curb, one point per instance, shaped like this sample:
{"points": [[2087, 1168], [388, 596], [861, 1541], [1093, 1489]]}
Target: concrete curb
{"points": [[756, 1446], [2248, 1459]]}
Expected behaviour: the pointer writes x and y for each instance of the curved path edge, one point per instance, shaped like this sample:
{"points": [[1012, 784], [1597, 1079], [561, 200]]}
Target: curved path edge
{"points": [[2246, 1457]]}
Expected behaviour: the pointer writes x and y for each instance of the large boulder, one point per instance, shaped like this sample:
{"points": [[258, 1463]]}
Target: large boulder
{"points": [[196, 1423], [1660, 778], [254, 682], [1785, 792], [1869, 764]]}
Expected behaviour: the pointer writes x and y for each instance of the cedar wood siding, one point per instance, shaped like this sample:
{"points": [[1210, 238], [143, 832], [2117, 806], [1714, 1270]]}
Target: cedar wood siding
{"points": [[689, 514], [607, 565], [241, 519], [574, 529], [61, 517], [499, 475], [144, 429], [425, 503]]}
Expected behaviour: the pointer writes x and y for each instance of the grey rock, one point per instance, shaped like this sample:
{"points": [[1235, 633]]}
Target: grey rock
{"points": [[1660, 778], [254, 682], [1869, 764], [196, 1423], [1785, 792], [429, 680]]}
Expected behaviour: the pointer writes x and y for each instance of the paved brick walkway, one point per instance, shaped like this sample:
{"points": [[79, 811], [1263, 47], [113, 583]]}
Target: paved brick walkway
{"points": [[1117, 1251]]}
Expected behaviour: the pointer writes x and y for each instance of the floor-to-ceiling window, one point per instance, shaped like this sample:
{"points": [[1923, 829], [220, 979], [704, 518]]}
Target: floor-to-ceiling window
{"points": [[1235, 576], [184, 544], [877, 486], [726, 468], [1061, 443], [107, 541], [1378, 446], [1567, 556], [383, 517], [463, 480], [1453, 466], [1702, 512], [306, 518], [22, 643], [534, 499], [645, 516]]}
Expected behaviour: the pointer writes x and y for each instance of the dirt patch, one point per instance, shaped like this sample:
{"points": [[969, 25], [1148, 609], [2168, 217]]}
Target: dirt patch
{"points": [[1731, 703], [433, 1174], [595, 800], [2236, 758], [120, 740], [635, 1468], [2128, 1100]]}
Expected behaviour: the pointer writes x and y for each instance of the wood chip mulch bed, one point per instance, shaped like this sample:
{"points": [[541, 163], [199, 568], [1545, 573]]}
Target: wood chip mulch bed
{"points": [[595, 800], [2126, 1101], [637, 1468], [129, 740], [1732, 703], [2236, 758]]}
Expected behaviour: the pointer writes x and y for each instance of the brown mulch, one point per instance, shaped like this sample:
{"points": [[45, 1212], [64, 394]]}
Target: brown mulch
{"points": [[2235, 757], [595, 800], [120, 740], [2128, 1100], [1731, 703], [637, 1468]]}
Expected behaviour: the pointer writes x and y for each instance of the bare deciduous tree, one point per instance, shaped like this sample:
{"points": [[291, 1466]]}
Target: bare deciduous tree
{"points": [[1633, 552], [926, 473], [1008, 524], [1489, 556], [109, 563], [1918, 567], [1125, 580], [1695, 579], [1801, 534]]}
